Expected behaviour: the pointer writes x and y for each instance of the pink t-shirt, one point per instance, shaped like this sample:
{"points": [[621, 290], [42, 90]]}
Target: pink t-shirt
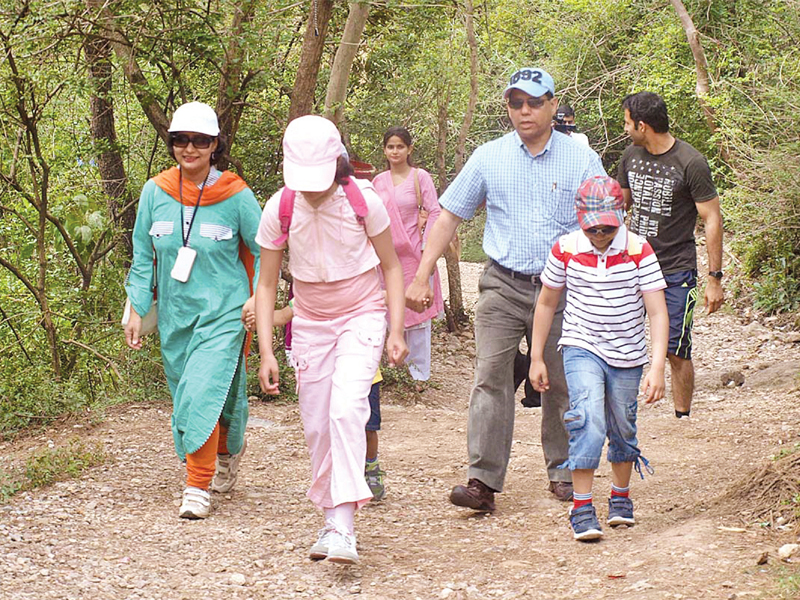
{"points": [[332, 259]]}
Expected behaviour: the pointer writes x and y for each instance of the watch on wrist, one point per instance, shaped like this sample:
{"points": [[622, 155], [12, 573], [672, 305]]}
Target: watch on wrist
{"points": [[716, 274]]}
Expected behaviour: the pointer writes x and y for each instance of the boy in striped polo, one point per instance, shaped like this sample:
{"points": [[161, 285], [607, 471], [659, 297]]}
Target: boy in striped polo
{"points": [[612, 276]]}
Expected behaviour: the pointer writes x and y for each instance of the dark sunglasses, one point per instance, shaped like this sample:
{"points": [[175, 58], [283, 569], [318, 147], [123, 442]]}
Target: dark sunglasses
{"points": [[516, 103], [181, 140], [604, 230]]}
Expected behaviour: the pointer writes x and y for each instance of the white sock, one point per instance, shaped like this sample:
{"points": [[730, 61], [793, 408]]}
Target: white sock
{"points": [[341, 517]]}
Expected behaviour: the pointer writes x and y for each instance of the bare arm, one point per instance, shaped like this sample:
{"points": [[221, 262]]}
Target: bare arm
{"points": [[712, 219], [438, 239], [653, 384], [542, 322], [266, 289], [627, 197], [396, 348]]}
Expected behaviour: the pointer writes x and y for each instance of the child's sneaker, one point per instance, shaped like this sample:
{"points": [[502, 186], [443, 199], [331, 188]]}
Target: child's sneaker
{"points": [[585, 525], [319, 551], [374, 477], [227, 471], [620, 511], [196, 504], [342, 548]]}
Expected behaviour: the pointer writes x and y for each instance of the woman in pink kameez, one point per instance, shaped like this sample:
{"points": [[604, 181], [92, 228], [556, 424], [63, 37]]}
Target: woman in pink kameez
{"points": [[413, 205]]}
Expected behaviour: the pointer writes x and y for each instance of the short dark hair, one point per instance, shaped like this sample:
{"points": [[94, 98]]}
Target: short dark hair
{"points": [[649, 108], [566, 110], [343, 169], [216, 155]]}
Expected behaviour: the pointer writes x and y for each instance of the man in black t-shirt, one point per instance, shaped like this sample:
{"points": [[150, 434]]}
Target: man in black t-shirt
{"points": [[667, 183]]}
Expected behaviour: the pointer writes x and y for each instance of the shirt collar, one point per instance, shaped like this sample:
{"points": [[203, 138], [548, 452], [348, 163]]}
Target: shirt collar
{"points": [[618, 245], [518, 141]]}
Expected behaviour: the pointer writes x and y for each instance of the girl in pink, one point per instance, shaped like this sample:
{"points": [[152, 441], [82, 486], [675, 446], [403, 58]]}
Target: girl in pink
{"points": [[340, 315], [409, 196]]}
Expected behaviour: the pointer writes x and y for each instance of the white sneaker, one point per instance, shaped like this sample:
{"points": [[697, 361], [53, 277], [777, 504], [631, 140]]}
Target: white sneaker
{"points": [[196, 504], [319, 551], [342, 548], [227, 471]]}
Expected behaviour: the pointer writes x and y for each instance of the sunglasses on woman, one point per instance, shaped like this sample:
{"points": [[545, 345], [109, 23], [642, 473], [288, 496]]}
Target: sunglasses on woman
{"points": [[516, 103], [199, 141], [604, 230]]}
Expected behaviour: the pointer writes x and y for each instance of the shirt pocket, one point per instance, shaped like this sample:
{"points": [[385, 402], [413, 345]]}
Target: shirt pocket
{"points": [[563, 209], [161, 228], [214, 232]]}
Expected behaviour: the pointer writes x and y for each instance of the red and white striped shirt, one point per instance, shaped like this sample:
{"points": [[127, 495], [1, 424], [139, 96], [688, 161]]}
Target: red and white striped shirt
{"points": [[605, 312]]}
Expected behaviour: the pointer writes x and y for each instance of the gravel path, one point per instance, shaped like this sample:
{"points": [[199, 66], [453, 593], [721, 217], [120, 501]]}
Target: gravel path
{"points": [[114, 533]]}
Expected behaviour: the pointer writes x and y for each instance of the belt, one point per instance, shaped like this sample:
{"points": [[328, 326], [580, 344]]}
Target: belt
{"points": [[534, 279]]}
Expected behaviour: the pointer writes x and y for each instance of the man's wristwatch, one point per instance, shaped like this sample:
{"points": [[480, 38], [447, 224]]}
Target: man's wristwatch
{"points": [[716, 274]]}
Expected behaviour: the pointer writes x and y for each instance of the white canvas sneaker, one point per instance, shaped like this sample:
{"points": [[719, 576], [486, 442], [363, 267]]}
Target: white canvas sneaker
{"points": [[196, 504], [227, 471], [342, 548], [319, 551]]}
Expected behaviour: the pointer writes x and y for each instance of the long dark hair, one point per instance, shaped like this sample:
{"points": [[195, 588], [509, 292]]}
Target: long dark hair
{"points": [[343, 170], [405, 137]]}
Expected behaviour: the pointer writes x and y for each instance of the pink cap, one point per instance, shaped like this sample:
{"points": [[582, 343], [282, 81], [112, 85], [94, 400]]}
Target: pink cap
{"points": [[311, 146]]}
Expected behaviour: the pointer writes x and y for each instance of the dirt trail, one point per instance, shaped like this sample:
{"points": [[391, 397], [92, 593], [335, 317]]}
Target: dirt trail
{"points": [[114, 533]]}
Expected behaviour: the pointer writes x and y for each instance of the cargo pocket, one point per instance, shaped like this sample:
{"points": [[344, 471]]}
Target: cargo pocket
{"points": [[574, 419]]}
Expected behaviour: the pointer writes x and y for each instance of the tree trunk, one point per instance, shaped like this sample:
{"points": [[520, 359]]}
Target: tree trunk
{"points": [[313, 43], [469, 114], [104, 135], [702, 88], [231, 92], [343, 62]]}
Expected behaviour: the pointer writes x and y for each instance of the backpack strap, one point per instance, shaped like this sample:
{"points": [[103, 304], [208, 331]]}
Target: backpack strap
{"points": [[357, 201], [285, 210], [354, 196]]}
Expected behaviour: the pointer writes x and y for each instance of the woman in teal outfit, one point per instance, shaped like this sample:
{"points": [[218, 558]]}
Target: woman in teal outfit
{"points": [[194, 248]]}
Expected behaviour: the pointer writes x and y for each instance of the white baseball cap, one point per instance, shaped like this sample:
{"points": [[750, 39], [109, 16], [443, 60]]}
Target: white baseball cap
{"points": [[311, 147], [195, 116]]}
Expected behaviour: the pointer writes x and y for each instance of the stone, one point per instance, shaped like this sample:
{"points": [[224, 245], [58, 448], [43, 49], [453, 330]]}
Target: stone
{"points": [[786, 551]]}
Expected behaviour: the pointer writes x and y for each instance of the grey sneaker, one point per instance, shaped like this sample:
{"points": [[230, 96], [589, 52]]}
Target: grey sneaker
{"points": [[374, 478], [319, 551], [342, 548], [620, 511], [227, 471], [196, 504]]}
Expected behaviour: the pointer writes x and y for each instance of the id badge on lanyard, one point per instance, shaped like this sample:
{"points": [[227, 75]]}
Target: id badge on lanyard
{"points": [[182, 268]]}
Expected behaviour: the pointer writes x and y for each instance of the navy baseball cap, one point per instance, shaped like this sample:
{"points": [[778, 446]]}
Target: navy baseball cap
{"points": [[531, 80]]}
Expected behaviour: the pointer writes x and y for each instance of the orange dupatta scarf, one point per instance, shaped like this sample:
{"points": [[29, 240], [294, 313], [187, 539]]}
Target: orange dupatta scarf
{"points": [[226, 186]]}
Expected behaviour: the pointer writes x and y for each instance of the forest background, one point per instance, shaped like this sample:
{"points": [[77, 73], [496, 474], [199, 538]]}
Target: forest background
{"points": [[87, 87]]}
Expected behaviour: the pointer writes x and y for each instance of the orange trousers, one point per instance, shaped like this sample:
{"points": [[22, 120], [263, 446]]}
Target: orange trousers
{"points": [[200, 465]]}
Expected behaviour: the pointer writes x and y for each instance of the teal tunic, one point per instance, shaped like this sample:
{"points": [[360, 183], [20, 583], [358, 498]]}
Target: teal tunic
{"points": [[199, 321]]}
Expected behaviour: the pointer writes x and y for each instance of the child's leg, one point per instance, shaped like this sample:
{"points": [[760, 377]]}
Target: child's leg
{"points": [[372, 445], [200, 465], [621, 478], [374, 424]]}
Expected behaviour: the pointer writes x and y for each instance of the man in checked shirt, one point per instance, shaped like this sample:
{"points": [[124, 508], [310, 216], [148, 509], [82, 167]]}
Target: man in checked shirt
{"points": [[528, 178]]}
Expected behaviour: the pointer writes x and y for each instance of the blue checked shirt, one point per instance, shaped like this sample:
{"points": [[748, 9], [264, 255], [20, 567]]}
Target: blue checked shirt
{"points": [[530, 200]]}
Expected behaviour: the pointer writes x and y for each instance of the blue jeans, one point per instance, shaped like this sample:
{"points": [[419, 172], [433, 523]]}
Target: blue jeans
{"points": [[602, 403]]}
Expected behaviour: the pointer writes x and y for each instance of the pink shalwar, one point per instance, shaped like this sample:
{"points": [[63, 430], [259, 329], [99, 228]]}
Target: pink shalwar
{"points": [[337, 333]]}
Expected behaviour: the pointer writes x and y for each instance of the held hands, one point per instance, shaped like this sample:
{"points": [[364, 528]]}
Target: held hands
{"points": [[653, 385], [268, 375], [396, 349], [419, 296], [714, 295], [538, 376], [133, 329], [249, 314]]}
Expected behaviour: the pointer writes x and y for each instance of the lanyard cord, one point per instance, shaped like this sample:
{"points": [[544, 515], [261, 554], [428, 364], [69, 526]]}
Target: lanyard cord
{"points": [[196, 206]]}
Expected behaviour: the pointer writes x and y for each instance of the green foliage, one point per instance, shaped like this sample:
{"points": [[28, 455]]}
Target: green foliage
{"points": [[50, 465], [471, 235]]}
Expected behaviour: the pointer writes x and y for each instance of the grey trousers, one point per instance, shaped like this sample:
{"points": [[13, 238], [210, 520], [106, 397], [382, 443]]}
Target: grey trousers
{"points": [[502, 316]]}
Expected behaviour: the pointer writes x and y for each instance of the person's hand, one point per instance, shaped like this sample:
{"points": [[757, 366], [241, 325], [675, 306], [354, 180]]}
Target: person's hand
{"points": [[653, 385], [132, 331], [538, 376], [249, 314], [422, 219], [268, 375], [714, 296], [396, 349], [419, 296]]}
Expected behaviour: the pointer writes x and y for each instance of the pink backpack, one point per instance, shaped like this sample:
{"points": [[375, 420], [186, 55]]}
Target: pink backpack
{"points": [[286, 208]]}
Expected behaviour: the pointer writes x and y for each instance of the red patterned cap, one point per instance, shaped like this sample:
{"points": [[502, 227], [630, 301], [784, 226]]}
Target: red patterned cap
{"points": [[599, 202]]}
